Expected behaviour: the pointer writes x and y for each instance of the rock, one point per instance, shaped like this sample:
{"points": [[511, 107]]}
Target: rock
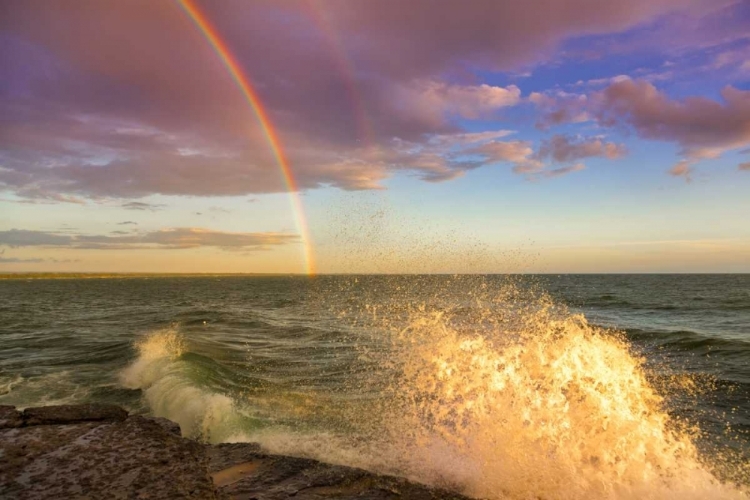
{"points": [[10, 417], [70, 414], [98, 452], [243, 471], [168, 425], [132, 458]]}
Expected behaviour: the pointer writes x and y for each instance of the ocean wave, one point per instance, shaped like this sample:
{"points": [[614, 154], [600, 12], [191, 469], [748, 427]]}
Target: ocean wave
{"points": [[56, 388], [544, 405], [688, 304], [687, 340], [169, 386]]}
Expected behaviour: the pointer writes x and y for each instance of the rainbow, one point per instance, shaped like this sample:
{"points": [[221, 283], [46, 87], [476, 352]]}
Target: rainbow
{"points": [[346, 70], [209, 32]]}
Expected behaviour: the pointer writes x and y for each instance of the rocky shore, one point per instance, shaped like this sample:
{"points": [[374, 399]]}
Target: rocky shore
{"points": [[99, 451]]}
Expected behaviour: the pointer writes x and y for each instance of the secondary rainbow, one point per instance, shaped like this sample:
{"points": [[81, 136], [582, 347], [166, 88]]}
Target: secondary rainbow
{"points": [[346, 69], [209, 32]]}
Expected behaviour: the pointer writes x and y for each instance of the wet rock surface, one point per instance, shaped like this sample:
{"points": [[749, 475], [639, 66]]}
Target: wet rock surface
{"points": [[98, 452], [93, 452], [71, 414], [9, 417], [243, 471]]}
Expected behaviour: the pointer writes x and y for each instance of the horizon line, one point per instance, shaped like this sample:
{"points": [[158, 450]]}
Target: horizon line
{"points": [[72, 274]]}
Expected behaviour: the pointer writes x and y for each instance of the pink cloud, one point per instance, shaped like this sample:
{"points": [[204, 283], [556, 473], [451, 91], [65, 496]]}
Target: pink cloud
{"points": [[487, 33], [682, 168], [560, 107], [432, 106], [467, 101], [556, 172], [563, 148], [511, 151], [529, 163], [704, 128], [127, 99], [168, 238]]}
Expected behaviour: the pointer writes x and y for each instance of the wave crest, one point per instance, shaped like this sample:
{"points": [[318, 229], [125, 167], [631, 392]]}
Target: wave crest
{"points": [[172, 390]]}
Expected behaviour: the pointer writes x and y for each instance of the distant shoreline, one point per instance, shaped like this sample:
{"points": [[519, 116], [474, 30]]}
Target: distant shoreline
{"points": [[62, 276], [20, 275]]}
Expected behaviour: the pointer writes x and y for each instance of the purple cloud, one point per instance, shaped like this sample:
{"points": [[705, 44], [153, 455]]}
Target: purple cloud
{"points": [[89, 110], [703, 128], [172, 238], [563, 148]]}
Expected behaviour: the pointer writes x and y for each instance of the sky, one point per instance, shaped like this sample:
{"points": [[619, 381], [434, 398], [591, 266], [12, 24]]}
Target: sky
{"points": [[335, 136]]}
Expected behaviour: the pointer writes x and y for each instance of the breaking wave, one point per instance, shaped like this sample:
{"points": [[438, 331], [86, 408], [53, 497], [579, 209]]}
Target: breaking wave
{"points": [[517, 399]]}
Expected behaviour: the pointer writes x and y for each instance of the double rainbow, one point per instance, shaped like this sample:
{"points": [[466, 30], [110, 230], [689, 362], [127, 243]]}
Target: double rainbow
{"points": [[243, 83]]}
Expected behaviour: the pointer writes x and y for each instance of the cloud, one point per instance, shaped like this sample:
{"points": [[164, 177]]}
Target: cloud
{"points": [[702, 127], [90, 111], [40, 197], [356, 174], [16, 260], [140, 205], [435, 102], [559, 149], [43, 196], [510, 151], [541, 171], [682, 168], [681, 34], [518, 153], [436, 158], [744, 166], [556, 172], [560, 107], [468, 138], [36, 260], [127, 222], [564, 148], [735, 58], [219, 210], [597, 82], [446, 157], [169, 173], [25, 238], [489, 34], [172, 238]]}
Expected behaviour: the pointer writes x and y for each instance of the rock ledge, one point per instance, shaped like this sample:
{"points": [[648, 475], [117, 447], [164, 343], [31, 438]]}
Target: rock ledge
{"points": [[99, 451]]}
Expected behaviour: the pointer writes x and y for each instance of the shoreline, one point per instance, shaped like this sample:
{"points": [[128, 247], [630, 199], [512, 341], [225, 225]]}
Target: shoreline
{"points": [[100, 451]]}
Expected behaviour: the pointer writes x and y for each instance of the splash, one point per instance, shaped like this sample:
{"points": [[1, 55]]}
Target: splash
{"points": [[501, 393], [557, 410], [493, 391], [209, 32]]}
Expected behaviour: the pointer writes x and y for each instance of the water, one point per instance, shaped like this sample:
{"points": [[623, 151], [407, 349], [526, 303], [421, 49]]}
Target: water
{"points": [[496, 386]]}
